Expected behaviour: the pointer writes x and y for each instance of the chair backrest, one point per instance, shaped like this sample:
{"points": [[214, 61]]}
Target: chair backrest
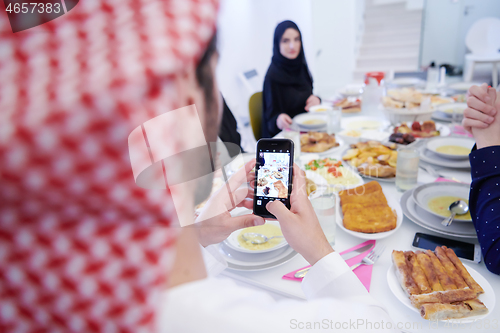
{"points": [[483, 36], [255, 109]]}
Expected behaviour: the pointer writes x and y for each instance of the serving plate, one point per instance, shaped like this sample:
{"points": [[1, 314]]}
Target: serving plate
{"points": [[337, 187], [384, 180], [431, 222], [488, 298], [391, 201], [424, 193], [434, 143], [463, 86]]}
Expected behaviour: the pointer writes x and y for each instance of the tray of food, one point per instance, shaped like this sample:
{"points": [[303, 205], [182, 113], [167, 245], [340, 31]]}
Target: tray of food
{"points": [[407, 133], [373, 159], [439, 286]]}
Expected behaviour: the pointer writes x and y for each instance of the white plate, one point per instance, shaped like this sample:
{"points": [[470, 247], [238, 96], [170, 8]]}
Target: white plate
{"points": [[319, 180], [449, 108], [443, 130], [430, 222], [488, 298], [301, 118], [434, 143], [432, 158], [392, 202], [351, 90], [424, 193], [232, 242], [321, 109], [463, 86], [364, 123], [255, 262]]}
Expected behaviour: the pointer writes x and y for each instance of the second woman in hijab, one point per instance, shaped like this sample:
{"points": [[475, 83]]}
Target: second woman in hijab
{"points": [[288, 82]]}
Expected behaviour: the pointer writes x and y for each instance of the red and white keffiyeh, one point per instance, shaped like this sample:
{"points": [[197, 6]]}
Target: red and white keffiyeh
{"points": [[82, 247]]}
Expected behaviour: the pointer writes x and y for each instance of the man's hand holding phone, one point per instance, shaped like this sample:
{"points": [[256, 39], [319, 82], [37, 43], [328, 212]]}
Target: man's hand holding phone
{"points": [[215, 223], [299, 225]]}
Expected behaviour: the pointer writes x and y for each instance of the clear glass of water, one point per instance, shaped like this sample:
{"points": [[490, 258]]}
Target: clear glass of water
{"points": [[456, 119], [407, 169], [323, 203], [295, 137], [333, 119]]}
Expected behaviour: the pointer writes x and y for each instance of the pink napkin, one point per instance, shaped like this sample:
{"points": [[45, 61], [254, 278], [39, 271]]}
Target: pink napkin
{"points": [[363, 272], [459, 130], [440, 179]]}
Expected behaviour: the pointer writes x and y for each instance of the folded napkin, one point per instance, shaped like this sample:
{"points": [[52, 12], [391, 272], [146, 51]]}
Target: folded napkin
{"points": [[441, 179], [459, 130], [363, 272]]}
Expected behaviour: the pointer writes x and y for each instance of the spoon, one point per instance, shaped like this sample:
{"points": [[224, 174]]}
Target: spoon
{"points": [[458, 207], [256, 238]]}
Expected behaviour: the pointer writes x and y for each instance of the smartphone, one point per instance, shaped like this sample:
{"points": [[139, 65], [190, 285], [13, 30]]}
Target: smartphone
{"points": [[273, 174], [463, 250]]}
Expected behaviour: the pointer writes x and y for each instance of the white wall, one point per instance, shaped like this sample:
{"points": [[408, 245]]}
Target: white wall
{"points": [[336, 28], [245, 32], [446, 23]]}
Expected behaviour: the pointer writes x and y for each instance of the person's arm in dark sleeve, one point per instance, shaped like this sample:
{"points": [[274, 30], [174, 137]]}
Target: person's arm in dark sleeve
{"points": [[484, 202], [271, 109]]}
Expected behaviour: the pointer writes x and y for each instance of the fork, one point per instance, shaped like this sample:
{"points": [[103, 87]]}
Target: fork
{"points": [[370, 258], [434, 173]]}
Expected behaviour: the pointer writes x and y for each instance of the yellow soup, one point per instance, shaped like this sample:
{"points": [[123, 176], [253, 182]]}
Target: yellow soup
{"points": [[268, 230], [440, 205], [453, 150], [313, 122]]}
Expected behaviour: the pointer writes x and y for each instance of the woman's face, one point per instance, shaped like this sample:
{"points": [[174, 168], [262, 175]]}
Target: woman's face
{"points": [[290, 44]]}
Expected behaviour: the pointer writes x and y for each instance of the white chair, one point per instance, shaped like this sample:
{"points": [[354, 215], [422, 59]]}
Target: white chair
{"points": [[483, 40]]}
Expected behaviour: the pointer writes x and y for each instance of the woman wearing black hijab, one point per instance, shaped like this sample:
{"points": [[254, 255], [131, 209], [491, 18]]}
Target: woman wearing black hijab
{"points": [[288, 83]]}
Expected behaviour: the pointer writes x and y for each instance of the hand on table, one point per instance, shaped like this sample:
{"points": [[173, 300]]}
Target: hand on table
{"points": [[480, 111], [312, 101], [481, 117], [214, 224], [283, 121], [299, 225]]}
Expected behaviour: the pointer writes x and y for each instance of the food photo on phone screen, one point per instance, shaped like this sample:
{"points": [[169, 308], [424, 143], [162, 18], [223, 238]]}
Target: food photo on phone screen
{"points": [[272, 176]]}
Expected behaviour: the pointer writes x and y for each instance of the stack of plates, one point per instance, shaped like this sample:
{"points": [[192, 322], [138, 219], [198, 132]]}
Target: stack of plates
{"points": [[415, 207], [431, 154], [241, 259], [444, 112]]}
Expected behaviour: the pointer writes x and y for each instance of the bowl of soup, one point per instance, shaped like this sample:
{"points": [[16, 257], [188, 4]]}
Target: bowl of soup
{"points": [[455, 148]]}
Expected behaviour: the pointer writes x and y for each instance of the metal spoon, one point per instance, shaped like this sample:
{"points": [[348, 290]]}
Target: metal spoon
{"points": [[256, 238], [458, 207]]}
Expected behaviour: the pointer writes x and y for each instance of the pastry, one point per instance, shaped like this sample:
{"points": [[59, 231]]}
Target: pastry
{"points": [[282, 190], [366, 210], [438, 284]]}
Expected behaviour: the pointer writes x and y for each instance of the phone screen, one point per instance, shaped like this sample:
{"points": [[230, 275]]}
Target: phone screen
{"points": [[273, 172], [429, 242]]}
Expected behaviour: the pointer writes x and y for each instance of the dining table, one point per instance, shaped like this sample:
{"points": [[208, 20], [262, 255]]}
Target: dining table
{"points": [[407, 320]]}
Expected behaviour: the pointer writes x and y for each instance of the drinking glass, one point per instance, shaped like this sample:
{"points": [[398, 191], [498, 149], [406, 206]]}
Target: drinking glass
{"points": [[456, 119], [323, 203], [295, 137], [333, 119], [407, 169]]}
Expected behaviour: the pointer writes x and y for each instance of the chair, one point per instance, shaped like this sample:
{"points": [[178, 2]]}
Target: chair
{"points": [[255, 110], [483, 40]]}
